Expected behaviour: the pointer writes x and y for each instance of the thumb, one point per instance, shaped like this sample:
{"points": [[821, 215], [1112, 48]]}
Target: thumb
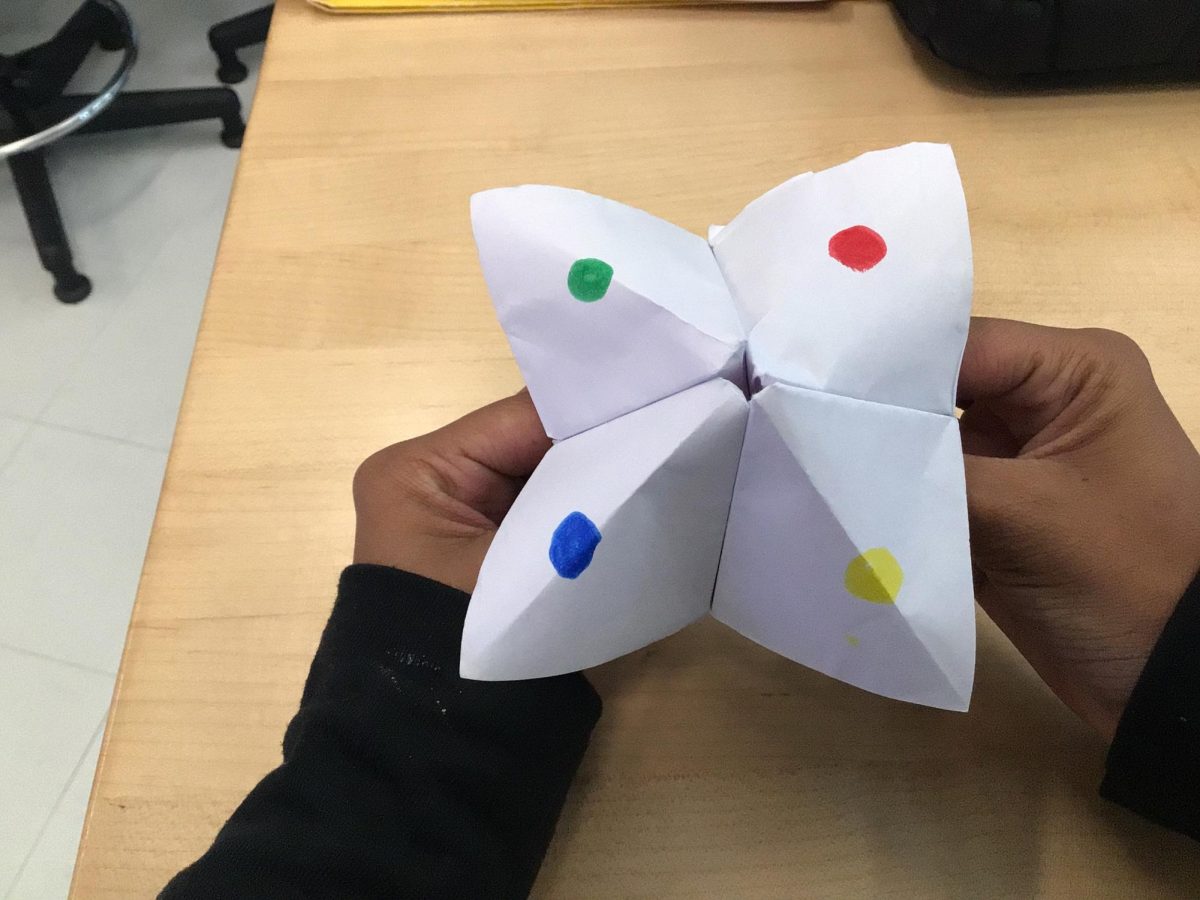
{"points": [[506, 437]]}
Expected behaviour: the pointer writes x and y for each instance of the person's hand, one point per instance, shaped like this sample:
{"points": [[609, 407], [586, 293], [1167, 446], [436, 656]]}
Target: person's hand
{"points": [[1084, 500], [431, 505]]}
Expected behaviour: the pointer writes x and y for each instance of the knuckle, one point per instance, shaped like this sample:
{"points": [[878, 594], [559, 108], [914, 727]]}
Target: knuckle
{"points": [[404, 473], [1105, 361], [365, 478], [377, 471], [1115, 347]]}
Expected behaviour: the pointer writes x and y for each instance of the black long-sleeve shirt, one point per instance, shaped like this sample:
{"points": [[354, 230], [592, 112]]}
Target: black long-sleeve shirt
{"points": [[399, 779]]}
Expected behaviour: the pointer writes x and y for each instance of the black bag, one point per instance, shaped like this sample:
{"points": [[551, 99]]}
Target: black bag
{"points": [[1016, 37]]}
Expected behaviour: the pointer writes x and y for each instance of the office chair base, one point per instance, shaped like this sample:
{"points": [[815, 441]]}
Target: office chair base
{"points": [[31, 94], [73, 289]]}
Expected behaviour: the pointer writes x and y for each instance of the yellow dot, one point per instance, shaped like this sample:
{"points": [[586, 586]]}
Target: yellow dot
{"points": [[874, 576], [851, 640]]}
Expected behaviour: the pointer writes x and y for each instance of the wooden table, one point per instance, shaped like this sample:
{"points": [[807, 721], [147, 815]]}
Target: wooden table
{"points": [[347, 311]]}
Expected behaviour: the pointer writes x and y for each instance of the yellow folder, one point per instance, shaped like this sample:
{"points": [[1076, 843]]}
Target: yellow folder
{"points": [[414, 6]]}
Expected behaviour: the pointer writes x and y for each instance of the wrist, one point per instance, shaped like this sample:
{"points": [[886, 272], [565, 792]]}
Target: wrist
{"points": [[447, 560]]}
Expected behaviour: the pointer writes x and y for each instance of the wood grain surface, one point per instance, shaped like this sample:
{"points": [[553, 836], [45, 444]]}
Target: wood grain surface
{"points": [[347, 311]]}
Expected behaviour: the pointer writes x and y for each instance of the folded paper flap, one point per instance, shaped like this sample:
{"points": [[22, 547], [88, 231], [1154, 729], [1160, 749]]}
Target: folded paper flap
{"points": [[605, 307], [760, 384], [777, 204], [609, 361], [613, 543], [857, 279], [652, 257], [846, 549]]}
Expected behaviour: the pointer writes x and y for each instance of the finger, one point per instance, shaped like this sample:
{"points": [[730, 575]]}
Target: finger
{"points": [[1025, 373], [988, 480], [984, 433], [988, 493], [506, 436], [1000, 356], [1007, 504]]}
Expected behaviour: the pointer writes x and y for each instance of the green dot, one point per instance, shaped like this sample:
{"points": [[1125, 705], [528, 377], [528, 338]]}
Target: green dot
{"points": [[589, 279]]}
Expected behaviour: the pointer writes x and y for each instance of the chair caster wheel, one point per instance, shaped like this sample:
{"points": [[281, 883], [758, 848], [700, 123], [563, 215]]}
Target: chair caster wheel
{"points": [[232, 72], [72, 290]]}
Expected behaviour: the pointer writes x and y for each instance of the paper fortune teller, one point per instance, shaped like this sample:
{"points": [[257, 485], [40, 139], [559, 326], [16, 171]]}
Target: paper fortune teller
{"points": [[759, 426]]}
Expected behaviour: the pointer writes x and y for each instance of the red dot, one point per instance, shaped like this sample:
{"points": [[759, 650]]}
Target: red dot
{"points": [[858, 248]]}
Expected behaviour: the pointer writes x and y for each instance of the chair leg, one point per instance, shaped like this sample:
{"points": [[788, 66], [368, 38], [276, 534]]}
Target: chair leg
{"points": [[45, 225], [108, 33], [141, 109], [40, 73], [227, 37]]}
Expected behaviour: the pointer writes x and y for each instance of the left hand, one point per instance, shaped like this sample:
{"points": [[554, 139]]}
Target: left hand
{"points": [[431, 505]]}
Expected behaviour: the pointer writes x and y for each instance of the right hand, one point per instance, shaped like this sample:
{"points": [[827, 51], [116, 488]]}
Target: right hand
{"points": [[1083, 494]]}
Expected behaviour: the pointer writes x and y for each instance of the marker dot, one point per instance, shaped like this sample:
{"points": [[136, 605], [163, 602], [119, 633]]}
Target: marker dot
{"points": [[874, 576], [572, 545], [589, 279], [852, 640], [858, 247]]}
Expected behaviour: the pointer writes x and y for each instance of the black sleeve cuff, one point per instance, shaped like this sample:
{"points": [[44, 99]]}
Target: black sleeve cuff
{"points": [[391, 617], [394, 635], [1154, 763]]}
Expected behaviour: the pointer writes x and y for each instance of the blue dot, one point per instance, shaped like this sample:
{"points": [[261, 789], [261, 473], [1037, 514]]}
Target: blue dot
{"points": [[573, 544]]}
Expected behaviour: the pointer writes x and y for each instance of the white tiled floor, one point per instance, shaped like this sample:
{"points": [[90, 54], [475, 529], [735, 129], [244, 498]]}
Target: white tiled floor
{"points": [[88, 400]]}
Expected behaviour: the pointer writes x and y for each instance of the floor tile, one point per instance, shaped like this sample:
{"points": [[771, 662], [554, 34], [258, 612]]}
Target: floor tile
{"points": [[46, 874], [77, 514], [40, 338], [11, 433], [128, 384], [51, 713], [121, 198]]}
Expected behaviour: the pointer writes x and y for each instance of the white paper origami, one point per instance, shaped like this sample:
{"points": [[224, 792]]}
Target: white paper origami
{"points": [[760, 426]]}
